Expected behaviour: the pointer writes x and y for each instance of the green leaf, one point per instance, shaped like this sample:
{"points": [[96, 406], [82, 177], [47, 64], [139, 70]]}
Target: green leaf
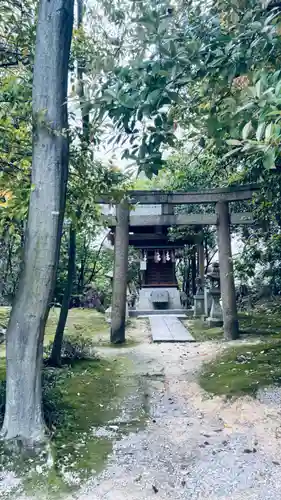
{"points": [[232, 152], [256, 26], [259, 88], [268, 132], [233, 142], [278, 88], [153, 96], [142, 151], [260, 131], [269, 159], [247, 130], [245, 107]]}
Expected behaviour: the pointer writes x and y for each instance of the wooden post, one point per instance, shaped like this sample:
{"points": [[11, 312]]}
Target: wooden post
{"points": [[230, 317], [119, 293]]}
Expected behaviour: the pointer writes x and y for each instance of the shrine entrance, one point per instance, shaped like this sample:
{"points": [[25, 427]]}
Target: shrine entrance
{"points": [[143, 220]]}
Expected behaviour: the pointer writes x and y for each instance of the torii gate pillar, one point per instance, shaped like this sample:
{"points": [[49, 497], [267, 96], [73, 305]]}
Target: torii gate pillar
{"points": [[230, 317]]}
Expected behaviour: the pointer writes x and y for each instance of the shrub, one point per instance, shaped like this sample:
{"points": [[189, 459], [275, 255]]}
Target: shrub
{"points": [[74, 348]]}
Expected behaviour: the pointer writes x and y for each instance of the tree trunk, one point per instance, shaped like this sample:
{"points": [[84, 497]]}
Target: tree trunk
{"points": [[193, 273], [23, 422], [55, 358]]}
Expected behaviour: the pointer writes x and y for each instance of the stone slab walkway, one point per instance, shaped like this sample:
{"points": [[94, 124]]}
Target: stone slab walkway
{"points": [[168, 329]]}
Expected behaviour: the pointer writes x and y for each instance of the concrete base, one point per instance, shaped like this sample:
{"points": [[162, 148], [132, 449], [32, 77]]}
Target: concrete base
{"points": [[146, 295]]}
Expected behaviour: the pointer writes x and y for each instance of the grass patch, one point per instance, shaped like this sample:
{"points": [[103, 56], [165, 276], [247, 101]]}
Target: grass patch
{"points": [[259, 323], [201, 331], [243, 369], [4, 315], [86, 322]]}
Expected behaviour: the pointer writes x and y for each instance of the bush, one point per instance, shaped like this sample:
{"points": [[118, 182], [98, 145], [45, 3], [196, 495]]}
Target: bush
{"points": [[74, 348]]}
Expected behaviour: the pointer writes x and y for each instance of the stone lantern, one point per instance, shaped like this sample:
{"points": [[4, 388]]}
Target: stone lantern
{"points": [[216, 316]]}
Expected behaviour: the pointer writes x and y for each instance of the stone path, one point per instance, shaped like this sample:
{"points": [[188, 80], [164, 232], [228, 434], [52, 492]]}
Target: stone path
{"points": [[168, 329]]}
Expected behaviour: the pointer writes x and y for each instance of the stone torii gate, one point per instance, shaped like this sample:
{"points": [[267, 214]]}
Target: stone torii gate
{"points": [[124, 220]]}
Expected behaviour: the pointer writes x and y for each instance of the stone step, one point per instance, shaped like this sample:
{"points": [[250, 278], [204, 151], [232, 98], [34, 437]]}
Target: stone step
{"points": [[169, 329], [134, 313]]}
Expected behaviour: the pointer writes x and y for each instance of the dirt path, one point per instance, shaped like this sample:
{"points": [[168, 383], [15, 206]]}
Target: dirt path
{"points": [[193, 447]]}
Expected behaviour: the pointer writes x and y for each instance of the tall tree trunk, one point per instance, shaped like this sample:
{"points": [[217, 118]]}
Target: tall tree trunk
{"points": [[55, 358], [23, 422]]}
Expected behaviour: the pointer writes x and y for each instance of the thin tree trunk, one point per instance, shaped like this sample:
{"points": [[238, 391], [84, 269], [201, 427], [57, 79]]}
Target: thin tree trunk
{"points": [[55, 358], [81, 278], [193, 273], [187, 278], [92, 275], [23, 422]]}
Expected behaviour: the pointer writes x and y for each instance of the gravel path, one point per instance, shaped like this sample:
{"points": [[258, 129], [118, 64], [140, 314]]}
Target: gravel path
{"points": [[193, 447]]}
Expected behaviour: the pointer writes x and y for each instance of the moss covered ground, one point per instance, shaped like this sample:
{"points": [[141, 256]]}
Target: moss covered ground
{"points": [[249, 365], [243, 369], [91, 397]]}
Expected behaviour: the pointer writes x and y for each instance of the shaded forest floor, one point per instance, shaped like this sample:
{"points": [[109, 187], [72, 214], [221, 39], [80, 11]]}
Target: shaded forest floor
{"points": [[168, 421]]}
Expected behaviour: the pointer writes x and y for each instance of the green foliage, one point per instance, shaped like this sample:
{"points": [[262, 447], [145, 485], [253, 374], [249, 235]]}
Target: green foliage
{"points": [[191, 60], [17, 34]]}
